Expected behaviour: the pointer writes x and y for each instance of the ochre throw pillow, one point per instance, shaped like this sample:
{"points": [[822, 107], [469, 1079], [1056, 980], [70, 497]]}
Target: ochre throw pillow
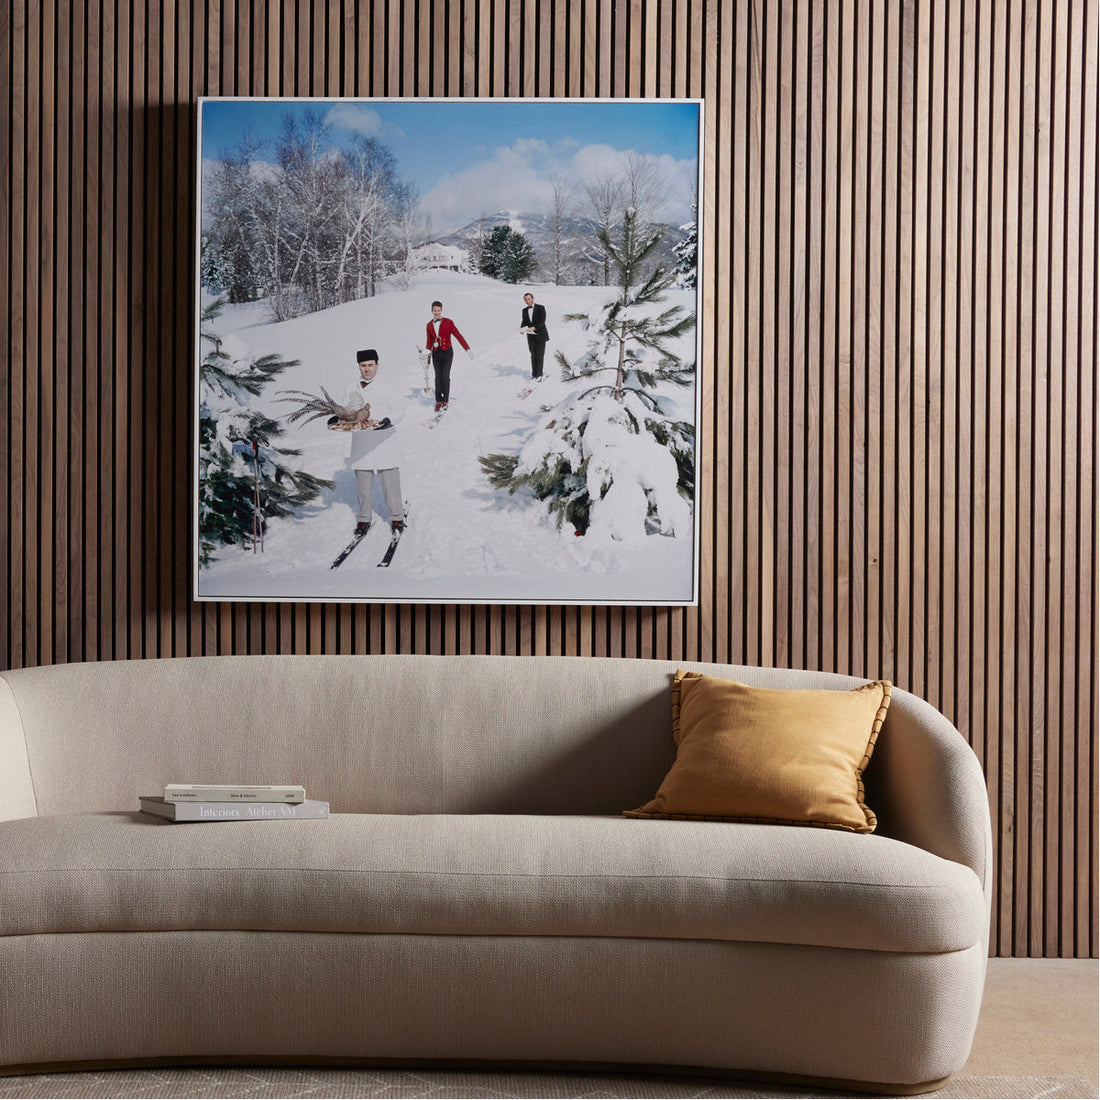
{"points": [[766, 755]]}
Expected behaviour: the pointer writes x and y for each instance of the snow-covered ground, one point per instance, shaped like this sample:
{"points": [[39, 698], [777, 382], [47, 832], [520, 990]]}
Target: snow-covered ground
{"points": [[465, 541]]}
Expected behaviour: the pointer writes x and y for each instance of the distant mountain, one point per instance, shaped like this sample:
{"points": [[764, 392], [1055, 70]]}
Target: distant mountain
{"points": [[536, 228]]}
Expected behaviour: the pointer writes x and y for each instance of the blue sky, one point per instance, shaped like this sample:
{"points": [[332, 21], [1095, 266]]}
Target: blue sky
{"points": [[470, 158]]}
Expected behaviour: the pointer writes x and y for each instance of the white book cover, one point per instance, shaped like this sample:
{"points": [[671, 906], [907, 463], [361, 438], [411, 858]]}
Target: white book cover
{"points": [[233, 792]]}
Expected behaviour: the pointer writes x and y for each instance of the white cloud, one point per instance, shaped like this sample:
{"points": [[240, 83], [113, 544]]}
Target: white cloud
{"points": [[594, 160], [519, 177], [357, 119], [512, 178]]}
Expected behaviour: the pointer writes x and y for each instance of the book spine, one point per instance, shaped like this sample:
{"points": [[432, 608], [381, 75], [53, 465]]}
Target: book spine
{"points": [[190, 792], [252, 811]]}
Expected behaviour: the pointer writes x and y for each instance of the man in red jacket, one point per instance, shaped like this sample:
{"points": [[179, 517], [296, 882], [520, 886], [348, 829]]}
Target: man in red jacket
{"points": [[440, 331]]}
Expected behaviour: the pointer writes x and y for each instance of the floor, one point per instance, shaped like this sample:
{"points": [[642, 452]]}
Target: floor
{"points": [[1039, 1017]]}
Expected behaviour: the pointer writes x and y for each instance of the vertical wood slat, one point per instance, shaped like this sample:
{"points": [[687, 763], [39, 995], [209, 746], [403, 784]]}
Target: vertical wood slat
{"points": [[32, 425], [84, 423], [1083, 717], [12, 246], [897, 439]]}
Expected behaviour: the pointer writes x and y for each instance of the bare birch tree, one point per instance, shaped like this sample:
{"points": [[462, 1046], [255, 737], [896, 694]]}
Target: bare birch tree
{"points": [[604, 194], [317, 227]]}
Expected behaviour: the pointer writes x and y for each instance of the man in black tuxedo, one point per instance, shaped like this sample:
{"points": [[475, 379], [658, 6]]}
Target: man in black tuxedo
{"points": [[534, 324]]}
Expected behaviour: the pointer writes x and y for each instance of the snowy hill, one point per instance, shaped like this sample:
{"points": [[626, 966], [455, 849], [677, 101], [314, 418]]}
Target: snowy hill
{"points": [[466, 541]]}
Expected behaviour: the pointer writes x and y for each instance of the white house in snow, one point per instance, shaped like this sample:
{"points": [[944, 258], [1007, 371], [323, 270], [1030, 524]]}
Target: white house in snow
{"points": [[443, 257]]}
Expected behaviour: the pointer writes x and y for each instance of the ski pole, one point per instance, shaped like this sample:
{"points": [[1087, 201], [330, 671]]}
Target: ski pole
{"points": [[257, 514]]}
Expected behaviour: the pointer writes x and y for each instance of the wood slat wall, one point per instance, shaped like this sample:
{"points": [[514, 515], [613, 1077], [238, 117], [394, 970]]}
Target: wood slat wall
{"points": [[898, 436]]}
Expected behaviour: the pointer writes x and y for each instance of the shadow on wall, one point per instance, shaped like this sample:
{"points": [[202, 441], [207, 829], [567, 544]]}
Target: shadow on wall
{"points": [[626, 768], [146, 403]]}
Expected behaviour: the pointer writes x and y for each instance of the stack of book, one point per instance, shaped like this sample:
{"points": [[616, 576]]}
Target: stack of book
{"points": [[231, 802]]}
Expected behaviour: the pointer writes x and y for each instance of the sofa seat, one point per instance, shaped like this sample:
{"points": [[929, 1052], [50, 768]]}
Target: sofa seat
{"points": [[501, 875]]}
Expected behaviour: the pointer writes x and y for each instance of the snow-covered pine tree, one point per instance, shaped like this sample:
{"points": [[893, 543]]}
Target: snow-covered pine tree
{"points": [[236, 448], [687, 252], [610, 459]]}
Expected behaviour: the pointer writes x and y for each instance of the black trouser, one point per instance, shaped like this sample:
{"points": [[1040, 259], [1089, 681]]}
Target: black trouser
{"points": [[442, 360], [538, 352]]}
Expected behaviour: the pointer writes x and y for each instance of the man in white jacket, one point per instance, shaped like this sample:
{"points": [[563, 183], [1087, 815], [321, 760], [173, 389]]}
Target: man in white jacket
{"points": [[374, 446]]}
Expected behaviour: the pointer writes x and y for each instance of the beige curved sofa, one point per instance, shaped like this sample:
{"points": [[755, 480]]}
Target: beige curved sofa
{"points": [[476, 895]]}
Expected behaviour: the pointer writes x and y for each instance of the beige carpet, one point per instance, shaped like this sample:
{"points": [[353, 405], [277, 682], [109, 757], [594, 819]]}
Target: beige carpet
{"points": [[261, 1082]]}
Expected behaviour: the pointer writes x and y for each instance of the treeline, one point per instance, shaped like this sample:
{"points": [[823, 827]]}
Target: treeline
{"points": [[565, 244], [317, 228], [509, 255]]}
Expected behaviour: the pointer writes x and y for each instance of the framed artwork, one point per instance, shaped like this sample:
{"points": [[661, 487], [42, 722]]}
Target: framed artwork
{"points": [[447, 351]]}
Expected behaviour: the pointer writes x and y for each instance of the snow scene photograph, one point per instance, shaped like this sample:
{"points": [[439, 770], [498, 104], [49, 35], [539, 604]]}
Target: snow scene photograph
{"points": [[447, 351]]}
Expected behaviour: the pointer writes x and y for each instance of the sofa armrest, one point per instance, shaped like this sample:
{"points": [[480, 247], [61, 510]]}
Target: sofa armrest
{"points": [[927, 787], [15, 766]]}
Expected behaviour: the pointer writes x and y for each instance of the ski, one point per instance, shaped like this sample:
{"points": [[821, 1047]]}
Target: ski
{"points": [[350, 547], [529, 389], [395, 538], [436, 418]]}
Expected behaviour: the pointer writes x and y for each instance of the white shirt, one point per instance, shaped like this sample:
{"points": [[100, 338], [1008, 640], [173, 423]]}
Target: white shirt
{"points": [[375, 448]]}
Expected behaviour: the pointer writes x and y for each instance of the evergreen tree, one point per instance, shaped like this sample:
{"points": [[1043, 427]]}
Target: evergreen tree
{"points": [[489, 258], [687, 252], [632, 333], [611, 457], [237, 450], [519, 259], [228, 253], [507, 255], [226, 268]]}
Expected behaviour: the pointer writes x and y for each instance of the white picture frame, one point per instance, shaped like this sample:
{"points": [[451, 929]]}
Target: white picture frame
{"points": [[325, 228]]}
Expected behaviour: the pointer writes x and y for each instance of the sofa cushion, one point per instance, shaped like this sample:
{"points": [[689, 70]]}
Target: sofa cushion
{"points": [[486, 875], [764, 755]]}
